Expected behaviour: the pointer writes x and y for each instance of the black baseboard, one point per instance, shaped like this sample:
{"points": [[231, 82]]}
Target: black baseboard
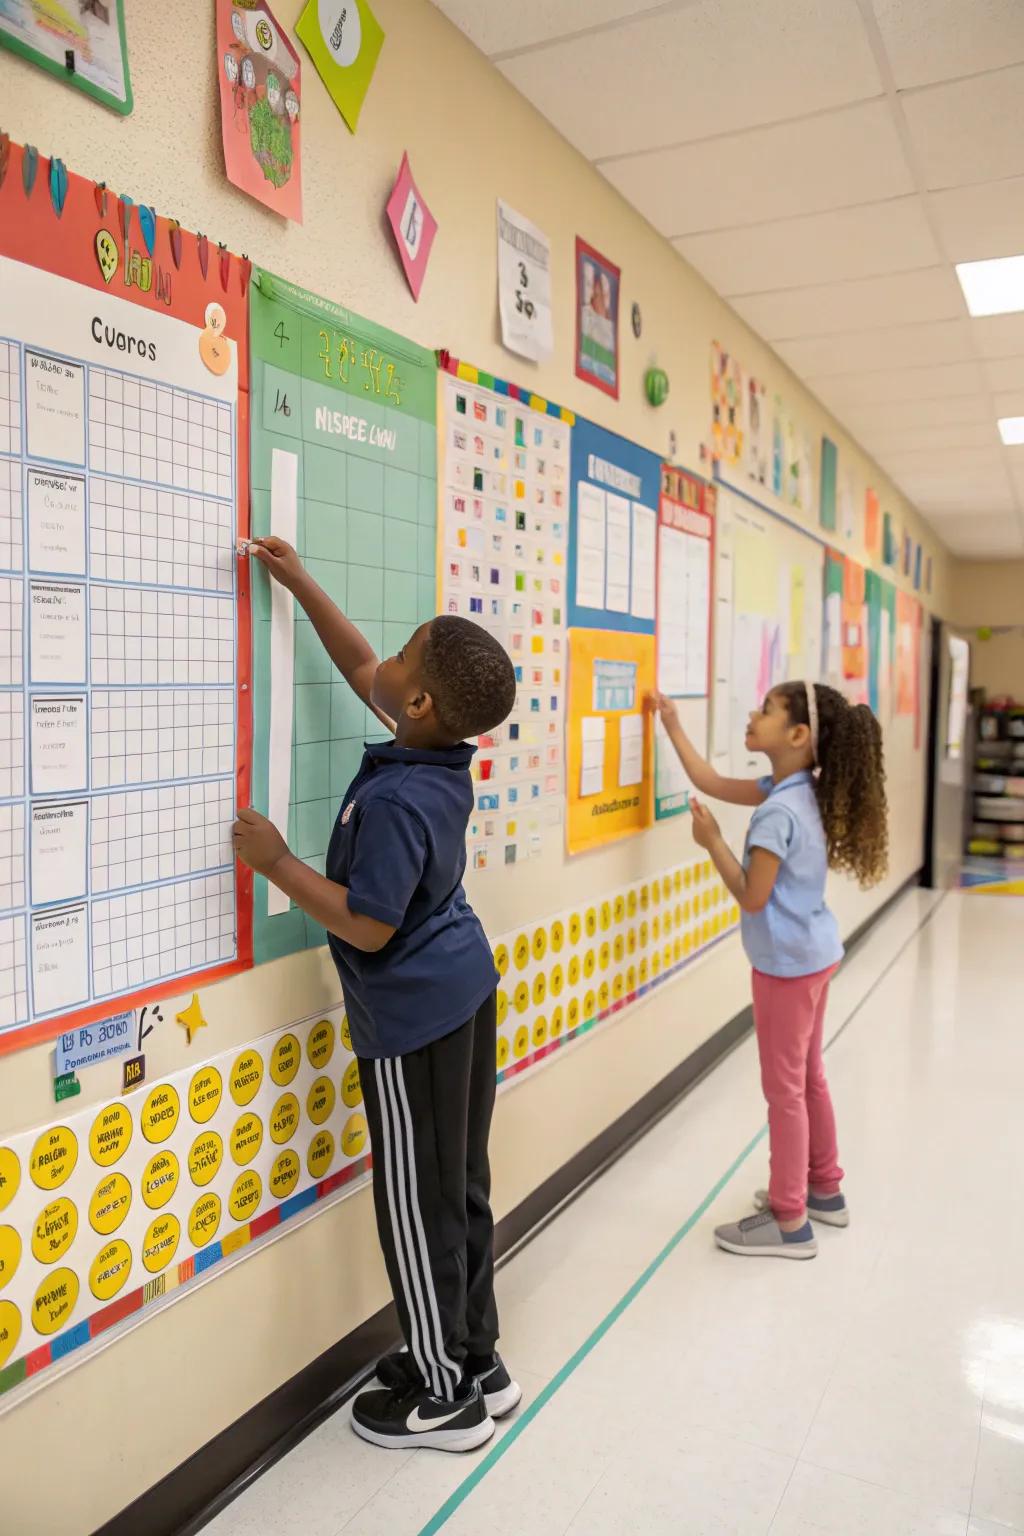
{"points": [[190, 1496]]}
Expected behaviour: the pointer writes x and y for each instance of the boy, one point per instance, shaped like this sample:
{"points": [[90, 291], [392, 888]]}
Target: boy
{"points": [[420, 989]]}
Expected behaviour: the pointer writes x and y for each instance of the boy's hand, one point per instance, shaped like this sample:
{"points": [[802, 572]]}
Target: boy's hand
{"points": [[257, 841], [280, 559], [666, 707], [705, 827]]}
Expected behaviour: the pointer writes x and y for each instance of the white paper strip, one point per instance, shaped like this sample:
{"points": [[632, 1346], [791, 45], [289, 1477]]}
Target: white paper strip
{"points": [[284, 512]]}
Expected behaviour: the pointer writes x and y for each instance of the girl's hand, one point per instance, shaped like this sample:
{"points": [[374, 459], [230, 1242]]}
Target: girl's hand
{"points": [[280, 559], [705, 827], [666, 707], [257, 841]]}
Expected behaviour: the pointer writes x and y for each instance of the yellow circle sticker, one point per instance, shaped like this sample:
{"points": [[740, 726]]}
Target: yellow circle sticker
{"points": [[631, 942], [502, 1006], [644, 933], [110, 1269], [656, 929], [111, 1135], [346, 1032], [620, 909], [644, 971], [246, 1138], [521, 1043], [204, 1094], [589, 1007], [351, 1087], [110, 1204], [572, 1013], [503, 1051], [285, 1059], [54, 1301], [246, 1194], [540, 944], [160, 1243], [655, 964], [606, 916], [56, 1228], [284, 1119], [631, 978], [501, 959], [204, 1219], [246, 1077], [320, 1045], [521, 952], [321, 1154], [603, 996], [557, 936], [604, 955], [618, 988], [540, 1032], [655, 893], [353, 1137], [205, 1157], [10, 1176], [677, 880], [160, 1113], [619, 947], [589, 964], [590, 922], [10, 1254], [557, 1022], [160, 1180], [522, 997], [10, 1330], [631, 904], [666, 886], [320, 1100], [688, 876], [575, 928], [284, 1175], [53, 1157], [574, 970], [645, 898], [540, 989], [557, 981]]}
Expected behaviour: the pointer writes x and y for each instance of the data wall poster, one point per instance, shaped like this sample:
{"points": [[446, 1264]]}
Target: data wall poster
{"points": [[124, 697], [344, 466], [686, 525], [504, 536], [613, 532], [610, 777]]}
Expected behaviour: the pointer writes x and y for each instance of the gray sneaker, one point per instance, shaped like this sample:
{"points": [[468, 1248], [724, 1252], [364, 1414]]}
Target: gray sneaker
{"points": [[761, 1237], [829, 1210]]}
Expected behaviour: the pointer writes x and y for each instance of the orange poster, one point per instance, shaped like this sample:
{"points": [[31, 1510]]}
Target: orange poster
{"points": [[260, 94], [872, 524], [609, 773], [854, 628]]}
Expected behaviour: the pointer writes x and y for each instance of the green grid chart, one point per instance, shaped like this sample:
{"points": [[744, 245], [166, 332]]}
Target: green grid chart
{"points": [[358, 406]]}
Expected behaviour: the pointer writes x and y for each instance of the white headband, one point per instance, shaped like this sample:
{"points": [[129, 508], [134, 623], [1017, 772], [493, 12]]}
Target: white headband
{"points": [[812, 717]]}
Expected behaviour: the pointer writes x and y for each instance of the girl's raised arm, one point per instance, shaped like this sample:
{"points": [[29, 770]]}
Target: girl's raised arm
{"points": [[698, 769]]}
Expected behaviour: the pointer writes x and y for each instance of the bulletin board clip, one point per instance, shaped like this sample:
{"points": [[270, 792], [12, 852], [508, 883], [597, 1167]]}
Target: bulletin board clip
{"points": [[29, 166], [147, 223]]}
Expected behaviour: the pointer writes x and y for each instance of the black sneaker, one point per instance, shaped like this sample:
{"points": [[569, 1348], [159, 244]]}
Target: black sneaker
{"points": [[398, 1371], [501, 1393], [414, 1418]]}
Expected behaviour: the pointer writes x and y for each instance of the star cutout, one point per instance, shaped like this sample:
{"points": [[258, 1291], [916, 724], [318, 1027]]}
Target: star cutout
{"points": [[192, 1018]]}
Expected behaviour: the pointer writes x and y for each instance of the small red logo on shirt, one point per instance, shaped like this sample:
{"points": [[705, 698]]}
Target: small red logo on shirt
{"points": [[346, 814]]}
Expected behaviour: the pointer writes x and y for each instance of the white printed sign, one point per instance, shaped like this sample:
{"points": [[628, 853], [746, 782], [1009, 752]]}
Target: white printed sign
{"points": [[524, 285]]}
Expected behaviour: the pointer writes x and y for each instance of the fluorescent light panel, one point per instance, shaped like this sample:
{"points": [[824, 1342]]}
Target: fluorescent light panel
{"points": [[1011, 430], [993, 287]]}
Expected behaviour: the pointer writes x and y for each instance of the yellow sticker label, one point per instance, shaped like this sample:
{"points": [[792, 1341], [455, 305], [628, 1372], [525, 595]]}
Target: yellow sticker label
{"points": [[540, 988], [575, 928], [540, 1032], [204, 1094], [557, 981], [590, 922], [589, 1007], [246, 1077], [54, 1301], [618, 987], [589, 963], [521, 1000], [353, 1137], [539, 944], [351, 1087], [284, 1119], [557, 1022], [320, 1045], [110, 1269], [285, 1059], [604, 955], [205, 1157], [501, 959], [56, 1228], [502, 1006], [572, 1013], [631, 904], [160, 1180], [503, 1052], [521, 1043], [346, 1033], [284, 1175], [10, 1330], [521, 952], [246, 1138], [110, 1204], [10, 1254], [111, 1135], [557, 936], [321, 1154], [204, 1219], [606, 916], [631, 942], [160, 1113], [10, 1176], [320, 1100], [161, 1243], [645, 898], [574, 970], [53, 1157], [620, 909], [603, 996], [618, 948], [246, 1194]]}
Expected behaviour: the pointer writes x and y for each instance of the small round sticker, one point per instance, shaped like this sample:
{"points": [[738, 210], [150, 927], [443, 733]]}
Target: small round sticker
{"points": [[351, 1087], [320, 1045], [205, 1157], [160, 1243], [285, 1059], [284, 1175], [284, 1119], [246, 1077], [111, 1135], [110, 1204], [10, 1254], [353, 1137], [204, 1094], [10, 1330], [246, 1194], [246, 1138], [320, 1155], [55, 1229], [53, 1157], [110, 1269], [160, 1113], [204, 1219], [320, 1100], [54, 1301], [10, 1176], [160, 1180]]}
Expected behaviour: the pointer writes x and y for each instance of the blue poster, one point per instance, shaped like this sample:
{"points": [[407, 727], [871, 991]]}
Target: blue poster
{"points": [[613, 532]]}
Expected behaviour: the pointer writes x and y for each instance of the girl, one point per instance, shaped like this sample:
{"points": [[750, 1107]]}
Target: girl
{"points": [[822, 807]]}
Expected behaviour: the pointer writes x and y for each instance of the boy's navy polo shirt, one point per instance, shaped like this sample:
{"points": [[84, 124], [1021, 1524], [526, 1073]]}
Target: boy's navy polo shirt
{"points": [[399, 846]]}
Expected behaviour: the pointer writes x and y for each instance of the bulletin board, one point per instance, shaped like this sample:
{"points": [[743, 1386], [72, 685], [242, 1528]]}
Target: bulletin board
{"points": [[686, 534], [344, 466], [608, 736], [613, 532], [124, 700], [503, 524]]}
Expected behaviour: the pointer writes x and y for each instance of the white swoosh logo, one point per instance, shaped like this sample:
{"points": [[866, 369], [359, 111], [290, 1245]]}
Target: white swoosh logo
{"points": [[417, 1424]]}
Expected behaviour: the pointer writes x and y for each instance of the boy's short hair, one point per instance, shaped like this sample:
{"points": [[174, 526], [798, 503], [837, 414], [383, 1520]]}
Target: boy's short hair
{"points": [[470, 677]]}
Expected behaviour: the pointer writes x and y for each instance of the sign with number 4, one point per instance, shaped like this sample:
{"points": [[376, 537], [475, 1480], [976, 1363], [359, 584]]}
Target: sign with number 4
{"points": [[524, 285]]}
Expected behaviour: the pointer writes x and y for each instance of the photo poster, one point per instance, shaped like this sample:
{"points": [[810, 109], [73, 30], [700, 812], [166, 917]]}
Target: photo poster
{"points": [[686, 526], [260, 80], [727, 408], [615, 490], [124, 687], [609, 773], [344, 466], [503, 537], [524, 286], [829, 468], [597, 319], [125, 1204], [92, 35]]}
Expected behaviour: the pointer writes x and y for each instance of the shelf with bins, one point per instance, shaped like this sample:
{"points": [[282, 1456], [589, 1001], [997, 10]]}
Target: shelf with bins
{"points": [[997, 816]]}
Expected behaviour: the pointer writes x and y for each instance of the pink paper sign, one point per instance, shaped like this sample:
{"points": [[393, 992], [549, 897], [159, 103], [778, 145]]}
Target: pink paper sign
{"points": [[414, 226]]}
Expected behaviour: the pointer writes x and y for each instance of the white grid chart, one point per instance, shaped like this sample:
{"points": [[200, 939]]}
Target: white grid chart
{"points": [[13, 987], [12, 856], [160, 637], [12, 745], [162, 931], [161, 733], [165, 538], [12, 642], [154, 432], [10, 399], [160, 833], [10, 509]]}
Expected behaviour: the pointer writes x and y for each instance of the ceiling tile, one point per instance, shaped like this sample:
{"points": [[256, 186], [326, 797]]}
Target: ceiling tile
{"points": [[1008, 403], [831, 308], [830, 161], [932, 383], [999, 335], [950, 465], [497, 27], [901, 346], [980, 535], [1005, 373], [894, 416], [889, 439], [931, 40], [779, 63], [976, 223], [818, 248], [971, 130]]}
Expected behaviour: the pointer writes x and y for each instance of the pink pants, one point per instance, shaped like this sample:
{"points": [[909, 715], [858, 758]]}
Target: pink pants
{"points": [[789, 1015]]}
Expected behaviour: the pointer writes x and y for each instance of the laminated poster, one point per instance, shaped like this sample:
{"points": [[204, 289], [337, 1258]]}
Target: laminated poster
{"points": [[524, 285], [260, 95], [597, 319], [344, 39], [685, 545], [89, 32]]}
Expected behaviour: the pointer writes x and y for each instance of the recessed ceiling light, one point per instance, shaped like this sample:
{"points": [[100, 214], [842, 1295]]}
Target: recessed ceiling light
{"points": [[1011, 430], [993, 287]]}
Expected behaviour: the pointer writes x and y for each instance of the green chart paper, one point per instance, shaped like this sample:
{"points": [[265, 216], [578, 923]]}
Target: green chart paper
{"points": [[357, 405]]}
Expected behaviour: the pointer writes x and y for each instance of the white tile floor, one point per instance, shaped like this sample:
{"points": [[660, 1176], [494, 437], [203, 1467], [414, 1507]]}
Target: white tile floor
{"points": [[878, 1391]]}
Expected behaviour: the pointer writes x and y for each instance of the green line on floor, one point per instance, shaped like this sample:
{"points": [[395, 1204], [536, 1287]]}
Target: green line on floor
{"points": [[526, 1418]]}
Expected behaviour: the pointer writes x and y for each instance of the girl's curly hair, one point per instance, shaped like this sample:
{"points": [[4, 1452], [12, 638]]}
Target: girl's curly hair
{"points": [[850, 784]]}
